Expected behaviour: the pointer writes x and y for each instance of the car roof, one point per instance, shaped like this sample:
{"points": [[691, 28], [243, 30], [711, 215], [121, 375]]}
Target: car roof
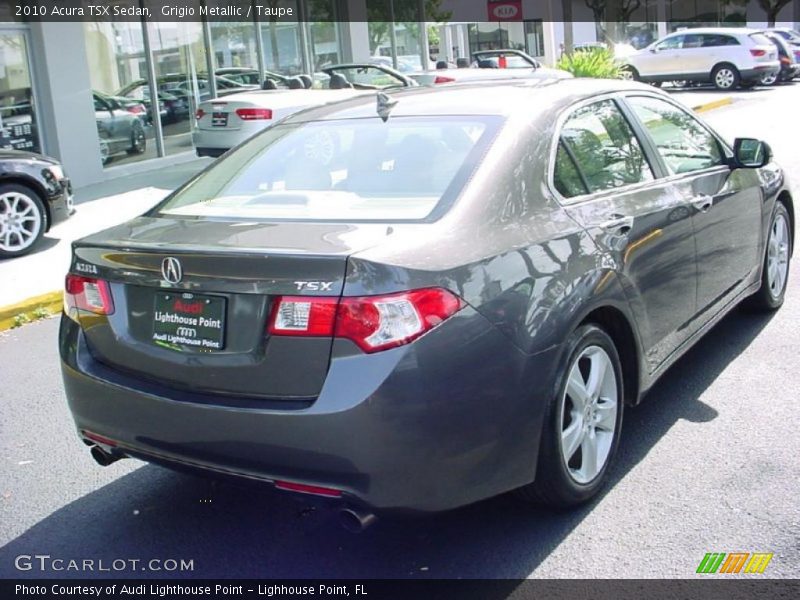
{"points": [[519, 97], [722, 30]]}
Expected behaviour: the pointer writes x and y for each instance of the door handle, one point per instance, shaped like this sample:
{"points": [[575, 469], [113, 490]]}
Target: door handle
{"points": [[618, 224], [703, 202]]}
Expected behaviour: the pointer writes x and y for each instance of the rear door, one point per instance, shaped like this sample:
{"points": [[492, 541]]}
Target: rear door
{"points": [[635, 216], [725, 204]]}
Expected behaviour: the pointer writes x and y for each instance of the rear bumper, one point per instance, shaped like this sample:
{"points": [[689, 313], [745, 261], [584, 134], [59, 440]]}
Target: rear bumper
{"points": [[449, 420], [221, 139], [759, 71]]}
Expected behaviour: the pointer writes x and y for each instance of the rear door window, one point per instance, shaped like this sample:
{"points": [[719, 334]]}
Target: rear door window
{"points": [[603, 150], [713, 40]]}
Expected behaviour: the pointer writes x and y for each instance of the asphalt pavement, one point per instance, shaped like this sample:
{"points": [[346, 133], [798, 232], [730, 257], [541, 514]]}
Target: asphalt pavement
{"points": [[708, 463]]}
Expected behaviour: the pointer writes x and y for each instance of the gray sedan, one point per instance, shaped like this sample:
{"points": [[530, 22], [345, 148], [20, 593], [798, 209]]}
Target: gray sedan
{"points": [[422, 299]]}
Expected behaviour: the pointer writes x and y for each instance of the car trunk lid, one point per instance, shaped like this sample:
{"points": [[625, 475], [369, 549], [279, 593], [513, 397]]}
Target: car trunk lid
{"points": [[192, 300]]}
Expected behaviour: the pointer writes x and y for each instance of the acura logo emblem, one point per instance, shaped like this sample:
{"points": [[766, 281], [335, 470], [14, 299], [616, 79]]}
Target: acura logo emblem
{"points": [[171, 270]]}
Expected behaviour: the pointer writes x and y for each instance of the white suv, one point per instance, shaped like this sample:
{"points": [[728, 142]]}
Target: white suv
{"points": [[726, 57]]}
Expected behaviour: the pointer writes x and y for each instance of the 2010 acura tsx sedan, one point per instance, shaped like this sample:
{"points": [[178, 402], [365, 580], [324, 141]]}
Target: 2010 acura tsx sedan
{"points": [[419, 300]]}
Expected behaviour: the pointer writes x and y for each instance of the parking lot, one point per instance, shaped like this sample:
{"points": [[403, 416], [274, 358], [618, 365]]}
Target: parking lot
{"points": [[708, 463]]}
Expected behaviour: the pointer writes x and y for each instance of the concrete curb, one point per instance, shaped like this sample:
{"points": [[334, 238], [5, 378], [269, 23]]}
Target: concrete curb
{"points": [[52, 301], [714, 104]]}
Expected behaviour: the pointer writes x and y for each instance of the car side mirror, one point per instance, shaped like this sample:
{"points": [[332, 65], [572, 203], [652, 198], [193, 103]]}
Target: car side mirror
{"points": [[750, 153]]}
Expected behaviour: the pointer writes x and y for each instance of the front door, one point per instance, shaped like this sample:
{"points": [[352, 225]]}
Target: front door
{"points": [[726, 204]]}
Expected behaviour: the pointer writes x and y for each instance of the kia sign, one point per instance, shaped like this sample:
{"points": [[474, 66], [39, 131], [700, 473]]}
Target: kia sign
{"points": [[505, 10]]}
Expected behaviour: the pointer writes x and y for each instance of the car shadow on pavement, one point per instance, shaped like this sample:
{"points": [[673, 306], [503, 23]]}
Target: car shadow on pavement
{"points": [[47, 242], [232, 531]]}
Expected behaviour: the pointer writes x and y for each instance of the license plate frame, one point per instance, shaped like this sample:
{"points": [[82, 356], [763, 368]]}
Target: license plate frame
{"points": [[219, 119], [189, 322]]}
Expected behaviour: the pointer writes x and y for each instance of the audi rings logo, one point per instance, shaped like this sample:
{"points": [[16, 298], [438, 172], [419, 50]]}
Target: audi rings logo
{"points": [[171, 270]]}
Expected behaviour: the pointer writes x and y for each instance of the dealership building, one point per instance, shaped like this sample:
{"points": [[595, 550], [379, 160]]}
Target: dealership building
{"points": [[56, 77]]}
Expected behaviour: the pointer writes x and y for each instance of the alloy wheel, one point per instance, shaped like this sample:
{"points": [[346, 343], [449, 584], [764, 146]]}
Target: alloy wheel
{"points": [[770, 79], [20, 221], [138, 140], [105, 152], [724, 78], [589, 414], [778, 256]]}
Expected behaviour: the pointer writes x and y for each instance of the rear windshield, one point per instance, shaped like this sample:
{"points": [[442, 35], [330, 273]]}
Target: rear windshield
{"points": [[761, 39], [350, 169]]}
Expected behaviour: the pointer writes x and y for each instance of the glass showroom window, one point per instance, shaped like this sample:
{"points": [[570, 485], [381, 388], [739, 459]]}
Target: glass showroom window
{"points": [[124, 113], [18, 127], [235, 52], [282, 45], [179, 60]]}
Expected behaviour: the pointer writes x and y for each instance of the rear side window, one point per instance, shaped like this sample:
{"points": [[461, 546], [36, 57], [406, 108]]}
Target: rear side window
{"points": [[760, 39], [602, 149], [349, 169], [684, 144]]}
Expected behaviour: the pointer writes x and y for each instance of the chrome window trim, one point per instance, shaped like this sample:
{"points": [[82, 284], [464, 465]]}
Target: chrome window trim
{"points": [[551, 160]]}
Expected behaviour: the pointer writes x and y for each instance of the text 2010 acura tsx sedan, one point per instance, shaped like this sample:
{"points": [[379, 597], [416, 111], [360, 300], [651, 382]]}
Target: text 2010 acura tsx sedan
{"points": [[423, 299]]}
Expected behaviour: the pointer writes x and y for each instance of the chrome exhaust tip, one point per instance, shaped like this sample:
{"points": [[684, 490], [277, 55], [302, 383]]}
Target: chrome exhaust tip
{"points": [[103, 458], [355, 520]]}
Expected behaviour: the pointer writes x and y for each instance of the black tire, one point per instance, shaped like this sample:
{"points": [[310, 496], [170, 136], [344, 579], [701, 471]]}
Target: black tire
{"points": [[630, 73], [770, 80], [38, 210], [766, 298], [725, 77], [138, 140], [555, 486]]}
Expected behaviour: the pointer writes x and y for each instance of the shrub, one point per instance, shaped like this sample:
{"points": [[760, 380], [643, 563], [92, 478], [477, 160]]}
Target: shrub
{"points": [[598, 63]]}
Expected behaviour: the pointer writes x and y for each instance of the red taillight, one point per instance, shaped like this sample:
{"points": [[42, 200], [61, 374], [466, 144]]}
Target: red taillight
{"points": [[254, 114], [757, 52], [374, 323], [303, 316], [442, 79], [308, 489], [87, 293], [199, 114]]}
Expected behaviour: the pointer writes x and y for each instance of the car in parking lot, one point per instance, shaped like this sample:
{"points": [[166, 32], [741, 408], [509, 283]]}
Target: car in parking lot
{"points": [[120, 130], [35, 194], [726, 57], [222, 123], [787, 55], [421, 299]]}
